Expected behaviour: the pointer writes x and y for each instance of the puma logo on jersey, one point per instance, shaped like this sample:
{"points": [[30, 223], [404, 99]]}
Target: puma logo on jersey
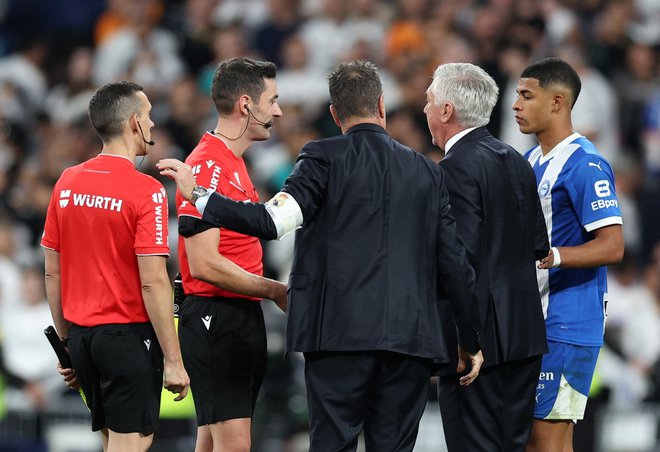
{"points": [[207, 321], [147, 343], [597, 165]]}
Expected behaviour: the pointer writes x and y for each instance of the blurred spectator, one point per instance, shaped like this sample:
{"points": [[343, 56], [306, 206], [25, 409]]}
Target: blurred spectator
{"points": [[249, 13], [513, 59], [595, 111], [635, 82], [67, 102], [141, 52], [27, 353], [629, 177], [328, 36], [22, 80], [194, 27], [283, 21], [632, 334], [229, 41], [10, 279], [298, 82], [188, 115]]}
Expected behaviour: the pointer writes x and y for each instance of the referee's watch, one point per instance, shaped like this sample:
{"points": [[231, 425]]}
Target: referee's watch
{"points": [[198, 192]]}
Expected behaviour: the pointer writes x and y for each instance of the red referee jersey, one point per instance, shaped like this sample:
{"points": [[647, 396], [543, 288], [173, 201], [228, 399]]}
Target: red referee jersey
{"points": [[216, 167], [103, 214]]}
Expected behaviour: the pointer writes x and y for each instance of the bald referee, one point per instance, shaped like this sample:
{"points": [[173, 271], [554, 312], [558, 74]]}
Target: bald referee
{"points": [[105, 241]]}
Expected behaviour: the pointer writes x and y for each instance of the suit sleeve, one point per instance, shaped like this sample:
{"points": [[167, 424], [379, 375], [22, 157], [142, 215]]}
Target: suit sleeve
{"points": [[457, 275], [306, 185], [308, 181], [248, 218]]}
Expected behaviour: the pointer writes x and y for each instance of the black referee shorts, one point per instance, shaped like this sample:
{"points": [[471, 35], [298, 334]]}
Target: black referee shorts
{"points": [[120, 369], [223, 343]]}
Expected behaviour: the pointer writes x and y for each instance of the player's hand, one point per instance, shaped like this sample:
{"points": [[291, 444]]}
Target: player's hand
{"points": [[279, 297], [476, 361], [180, 173], [547, 261], [176, 379], [69, 377]]}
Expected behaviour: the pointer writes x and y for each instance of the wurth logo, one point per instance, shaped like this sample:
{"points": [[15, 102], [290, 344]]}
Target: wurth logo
{"points": [[93, 201], [157, 198], [64, 198]]}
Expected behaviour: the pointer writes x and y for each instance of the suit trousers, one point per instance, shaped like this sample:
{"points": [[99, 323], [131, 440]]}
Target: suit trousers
{"points": [[495, 413], [382, 393]]}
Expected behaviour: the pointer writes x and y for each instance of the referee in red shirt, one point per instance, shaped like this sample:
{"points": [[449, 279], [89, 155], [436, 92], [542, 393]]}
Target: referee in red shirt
{"points": [[105, 241], [221, 324]]}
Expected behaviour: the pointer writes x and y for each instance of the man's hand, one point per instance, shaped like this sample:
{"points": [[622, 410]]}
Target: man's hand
{"points": [[476, 361], [69, 377], [176, 379], [279, 297], [36, 393], [546, 262], [180, 173]]}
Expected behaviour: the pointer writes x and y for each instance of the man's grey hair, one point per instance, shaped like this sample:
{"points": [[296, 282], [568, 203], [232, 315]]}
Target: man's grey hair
{"points": [[469, 88]]}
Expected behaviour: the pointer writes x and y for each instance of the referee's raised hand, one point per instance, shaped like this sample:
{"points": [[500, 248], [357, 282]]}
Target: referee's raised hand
{"points": [[176, 379]]}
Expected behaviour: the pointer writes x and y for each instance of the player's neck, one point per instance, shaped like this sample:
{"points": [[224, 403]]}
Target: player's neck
{"points": [[552, 136], [120, 148], [232, 133]]}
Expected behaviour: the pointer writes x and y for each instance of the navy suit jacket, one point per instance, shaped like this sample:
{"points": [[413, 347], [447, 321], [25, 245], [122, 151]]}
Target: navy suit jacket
{"points": [[377, 241], [498, 213]]}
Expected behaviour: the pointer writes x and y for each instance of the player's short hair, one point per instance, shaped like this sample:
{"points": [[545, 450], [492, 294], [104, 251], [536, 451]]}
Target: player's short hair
{"points": [[111, 106], [472, 92], [555, 72], [236, 77], [355, 89]]}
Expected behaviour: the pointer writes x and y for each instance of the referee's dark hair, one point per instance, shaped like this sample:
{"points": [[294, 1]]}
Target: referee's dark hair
{"points": [[355, 88], [238, 76], [110, 107], [555, 72]]}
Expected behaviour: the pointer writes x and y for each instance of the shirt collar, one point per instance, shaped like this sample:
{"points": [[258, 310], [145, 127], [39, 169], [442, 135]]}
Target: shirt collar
{"points": [[453, 140], [561, 145], [103, 154]]}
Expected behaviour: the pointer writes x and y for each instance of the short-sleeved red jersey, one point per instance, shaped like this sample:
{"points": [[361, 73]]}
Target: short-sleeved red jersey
{"points": [[216, 167], [104, 213]]}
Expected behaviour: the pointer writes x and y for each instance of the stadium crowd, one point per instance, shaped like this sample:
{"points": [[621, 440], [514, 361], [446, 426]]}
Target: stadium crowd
{"points": [[53, 55]]}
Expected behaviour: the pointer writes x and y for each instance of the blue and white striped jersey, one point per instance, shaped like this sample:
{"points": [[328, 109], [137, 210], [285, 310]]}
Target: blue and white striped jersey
{"points": [[576, 187]]}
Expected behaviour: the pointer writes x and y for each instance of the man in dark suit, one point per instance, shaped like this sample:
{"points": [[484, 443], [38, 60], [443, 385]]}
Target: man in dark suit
{"points": [[492, 191], [376, 240]]}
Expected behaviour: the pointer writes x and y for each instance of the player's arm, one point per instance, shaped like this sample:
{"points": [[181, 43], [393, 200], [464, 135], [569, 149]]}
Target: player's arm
{"points": [[54, 291], [302, 194], [157, 294], [606, 248], [591, 190], [214, 268]]}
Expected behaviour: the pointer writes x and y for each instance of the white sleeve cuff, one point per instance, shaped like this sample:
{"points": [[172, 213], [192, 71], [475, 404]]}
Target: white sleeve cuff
{"points": [[602, 223], [202, 201], [285, 212]]}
